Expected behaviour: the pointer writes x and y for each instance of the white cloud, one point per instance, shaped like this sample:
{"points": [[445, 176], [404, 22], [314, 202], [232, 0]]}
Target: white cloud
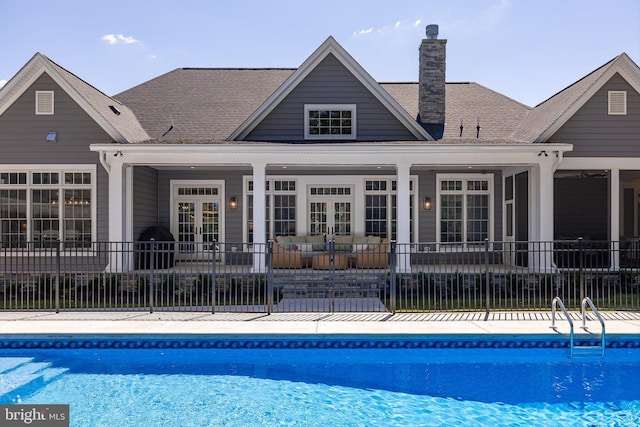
{"points": [[119, 38], [363, 32], [397, 26], [152, 56], [3, 82]]}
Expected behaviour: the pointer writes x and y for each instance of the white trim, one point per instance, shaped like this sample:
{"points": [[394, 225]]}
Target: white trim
{"points": [[600, 163], [174, 184], [331, 107], [129, 176], [466, 177], [29, 169], [358, 192], [327, 154]]}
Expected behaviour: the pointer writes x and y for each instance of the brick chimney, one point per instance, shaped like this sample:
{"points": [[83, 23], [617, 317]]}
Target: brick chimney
{"points": [[431, 81]]}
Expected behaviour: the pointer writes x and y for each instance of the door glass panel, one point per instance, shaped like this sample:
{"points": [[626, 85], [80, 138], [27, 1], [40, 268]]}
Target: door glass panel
{"points": [[317, 218], [342, 218], [210, 223], [186, 225]]}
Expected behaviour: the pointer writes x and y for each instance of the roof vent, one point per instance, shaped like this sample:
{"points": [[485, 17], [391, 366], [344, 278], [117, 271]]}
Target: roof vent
{"points": [[114, 110], [432, 32]]}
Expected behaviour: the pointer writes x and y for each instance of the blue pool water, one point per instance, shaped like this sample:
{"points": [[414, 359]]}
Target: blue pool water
{"points": [[338, 381]]}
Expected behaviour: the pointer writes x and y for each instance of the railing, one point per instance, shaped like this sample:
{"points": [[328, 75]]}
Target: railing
{"points": [[236, 276], [557, 301], [595, 311]]}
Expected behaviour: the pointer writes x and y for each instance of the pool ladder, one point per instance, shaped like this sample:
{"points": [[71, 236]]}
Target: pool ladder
{"points": [[582, 350]]}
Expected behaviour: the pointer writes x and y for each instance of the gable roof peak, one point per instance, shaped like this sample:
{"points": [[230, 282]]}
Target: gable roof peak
{"points": [[123, 127], [550, 115], [330, 46]]}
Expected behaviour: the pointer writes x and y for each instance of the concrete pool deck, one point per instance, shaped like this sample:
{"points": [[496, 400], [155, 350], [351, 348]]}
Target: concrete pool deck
{"points": [[202, 323]]}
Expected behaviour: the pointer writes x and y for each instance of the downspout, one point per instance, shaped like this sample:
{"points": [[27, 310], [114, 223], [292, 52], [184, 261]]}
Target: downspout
{"points": [[103, 162], [558, 160], [554, 167]]}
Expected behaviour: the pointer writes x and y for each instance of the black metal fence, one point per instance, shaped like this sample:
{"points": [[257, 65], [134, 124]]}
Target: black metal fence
{"points": [[241, 277]]}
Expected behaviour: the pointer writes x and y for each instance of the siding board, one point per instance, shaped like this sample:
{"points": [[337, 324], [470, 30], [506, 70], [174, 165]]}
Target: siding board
{"points": [[594, 133], [22, 139], [330, 83]]}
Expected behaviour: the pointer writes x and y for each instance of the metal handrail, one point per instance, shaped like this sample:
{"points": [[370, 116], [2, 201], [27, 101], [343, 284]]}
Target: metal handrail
{"points": [[555, 302], [585, 301]]}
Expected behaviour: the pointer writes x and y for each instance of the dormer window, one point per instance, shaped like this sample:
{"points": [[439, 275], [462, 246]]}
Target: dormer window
{"points": [[44, 102], [617, 102], [324, 121]]}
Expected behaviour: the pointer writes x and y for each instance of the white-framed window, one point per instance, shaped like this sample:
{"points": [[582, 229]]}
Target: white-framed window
{"points": [[44, 102], [280, 215], [465, 208], [42, 206], [330, 121], [381, 213], [617, 102], [359, 204]]}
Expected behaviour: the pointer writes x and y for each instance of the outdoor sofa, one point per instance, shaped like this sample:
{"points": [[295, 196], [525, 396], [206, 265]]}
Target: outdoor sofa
{"points": [[313, 251]]}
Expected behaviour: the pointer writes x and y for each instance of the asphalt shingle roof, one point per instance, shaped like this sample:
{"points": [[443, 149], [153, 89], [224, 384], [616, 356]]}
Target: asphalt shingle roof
{"points": [[547, 112], [201, 103], [124, 123], [209, 104]]}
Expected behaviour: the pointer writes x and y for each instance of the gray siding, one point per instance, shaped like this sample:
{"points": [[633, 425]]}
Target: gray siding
{"points": [[22, 139], [330, 83], [233, 187], [427, 219], [145, 199], [594, 133]]}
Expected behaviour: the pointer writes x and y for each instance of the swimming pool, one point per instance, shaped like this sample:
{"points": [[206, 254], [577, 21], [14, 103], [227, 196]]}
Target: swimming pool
{"points": [[335, 380]]}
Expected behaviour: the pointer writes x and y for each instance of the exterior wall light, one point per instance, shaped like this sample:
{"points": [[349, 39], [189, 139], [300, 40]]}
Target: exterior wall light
{"points": [[426, 203], [233, 203]]}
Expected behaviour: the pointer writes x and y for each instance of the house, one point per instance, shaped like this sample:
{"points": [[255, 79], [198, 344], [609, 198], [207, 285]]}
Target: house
{"points": [[335, 151]]}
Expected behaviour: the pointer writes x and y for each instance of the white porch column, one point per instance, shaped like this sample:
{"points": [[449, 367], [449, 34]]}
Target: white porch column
{"points": [[614, 217], [403, 231], [259, 219], [541, 230], [118, 258]]}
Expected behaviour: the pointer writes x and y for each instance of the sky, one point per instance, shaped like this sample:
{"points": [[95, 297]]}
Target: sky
{"points": [[525, 49]]}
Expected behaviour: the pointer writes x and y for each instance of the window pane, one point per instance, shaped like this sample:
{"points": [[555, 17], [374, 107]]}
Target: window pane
{"points": [[284, 212], [477, 217], [45, 211], [451, 218], [13, 218], [376, 215], [330, 122], [45, 178], [77, 214]]}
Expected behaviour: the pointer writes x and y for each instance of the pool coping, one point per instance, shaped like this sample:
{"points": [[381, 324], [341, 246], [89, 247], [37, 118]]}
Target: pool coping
{"points": [[309, 324]]}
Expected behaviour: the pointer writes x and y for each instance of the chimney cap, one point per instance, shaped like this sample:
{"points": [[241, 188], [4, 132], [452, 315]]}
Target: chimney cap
{"points": [[432, 32]]}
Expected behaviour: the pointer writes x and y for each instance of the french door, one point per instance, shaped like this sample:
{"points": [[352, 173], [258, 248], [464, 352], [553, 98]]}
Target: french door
{"points": [[196, 221], [330, 215]]}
